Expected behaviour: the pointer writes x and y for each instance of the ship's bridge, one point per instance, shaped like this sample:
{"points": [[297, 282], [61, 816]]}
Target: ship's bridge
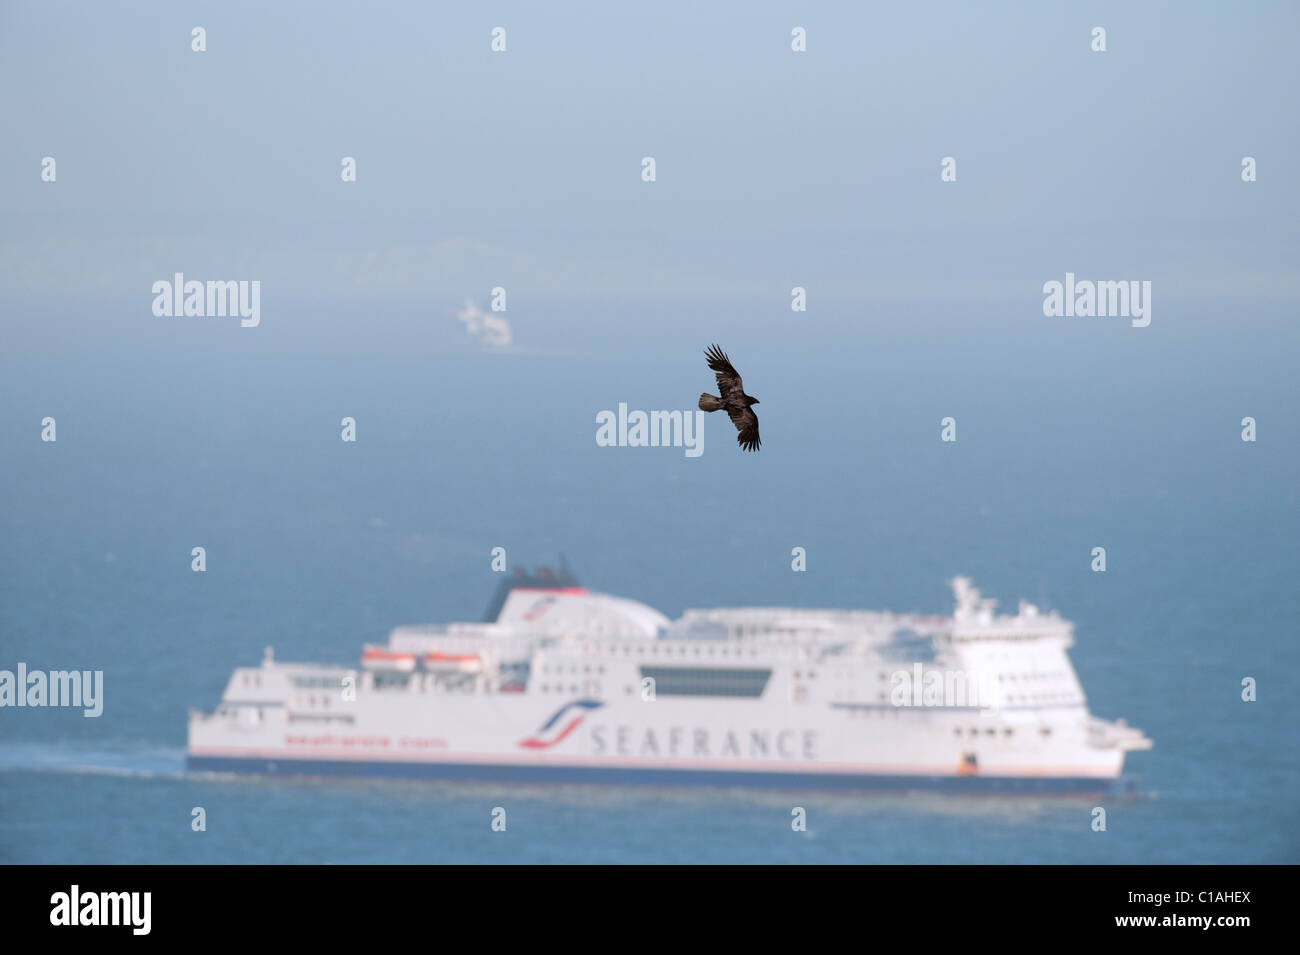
{"points": [[975, 619]]}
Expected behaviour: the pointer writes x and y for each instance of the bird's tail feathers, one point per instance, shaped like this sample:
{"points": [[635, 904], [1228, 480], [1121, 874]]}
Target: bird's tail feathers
{"points": [[709, 403]]}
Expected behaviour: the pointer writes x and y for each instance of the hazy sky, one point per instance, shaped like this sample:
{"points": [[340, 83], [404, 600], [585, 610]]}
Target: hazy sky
{"points": [[522, 169]]}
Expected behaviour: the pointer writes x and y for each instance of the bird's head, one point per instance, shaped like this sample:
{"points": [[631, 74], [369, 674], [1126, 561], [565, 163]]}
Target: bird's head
{"points": [[752, 401]]}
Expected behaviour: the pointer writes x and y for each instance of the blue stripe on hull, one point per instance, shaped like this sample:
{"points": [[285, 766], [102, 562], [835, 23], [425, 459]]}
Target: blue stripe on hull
{"points": [[620, 775]]}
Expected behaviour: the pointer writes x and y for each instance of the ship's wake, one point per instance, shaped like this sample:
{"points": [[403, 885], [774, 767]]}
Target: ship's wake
{"points": [[141, 760]]}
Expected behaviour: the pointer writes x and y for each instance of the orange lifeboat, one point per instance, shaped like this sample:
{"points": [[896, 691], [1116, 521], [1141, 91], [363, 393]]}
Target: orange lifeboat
{"points": [[460, 662], [380, 658]]}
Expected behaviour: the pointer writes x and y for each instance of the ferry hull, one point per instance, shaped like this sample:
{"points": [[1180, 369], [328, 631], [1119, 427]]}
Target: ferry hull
{"points": [[621, 775]]}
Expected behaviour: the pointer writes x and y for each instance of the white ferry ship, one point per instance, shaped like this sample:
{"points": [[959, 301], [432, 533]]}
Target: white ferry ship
{"points": [[569, 685]]}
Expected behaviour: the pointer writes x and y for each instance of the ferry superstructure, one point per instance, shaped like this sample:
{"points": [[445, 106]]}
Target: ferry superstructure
{"points": [[564, 684]]}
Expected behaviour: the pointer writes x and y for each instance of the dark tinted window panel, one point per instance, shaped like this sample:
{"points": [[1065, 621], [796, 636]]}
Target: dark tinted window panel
{"points": [[699, 681]]}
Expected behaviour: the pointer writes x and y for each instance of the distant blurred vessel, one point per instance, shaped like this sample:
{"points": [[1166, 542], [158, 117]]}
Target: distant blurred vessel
{"points": [[567, 685]]}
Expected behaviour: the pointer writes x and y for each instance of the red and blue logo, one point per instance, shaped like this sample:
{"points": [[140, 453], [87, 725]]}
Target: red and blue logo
{"points": [[540, 607], [562, 722]]}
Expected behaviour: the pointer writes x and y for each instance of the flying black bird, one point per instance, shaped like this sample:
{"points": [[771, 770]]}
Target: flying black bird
{"points": [[734, 401]]}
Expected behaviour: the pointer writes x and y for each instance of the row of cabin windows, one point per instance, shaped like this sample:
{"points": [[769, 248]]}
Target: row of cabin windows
{"points": [[654, 650], [883, 675], [1030, 676], [673, 681], [1002, 677], [1011, 697], [867, 712], [317, 682], [386, 681], [1041, 697], [311, 700], [559, 670], [992, 731], [591, 687], [401, 681]]}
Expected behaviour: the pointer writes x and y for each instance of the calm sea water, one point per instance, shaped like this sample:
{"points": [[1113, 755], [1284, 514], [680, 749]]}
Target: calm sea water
{"points": [[1068, 438]]}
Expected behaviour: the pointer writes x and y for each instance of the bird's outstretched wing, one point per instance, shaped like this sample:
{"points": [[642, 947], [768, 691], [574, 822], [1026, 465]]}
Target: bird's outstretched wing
{"points": [[746, 423], [729, 382]]}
